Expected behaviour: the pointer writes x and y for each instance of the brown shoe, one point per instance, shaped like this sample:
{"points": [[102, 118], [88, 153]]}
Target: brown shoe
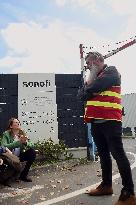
{"points": [[101, 190], [130, 201]]}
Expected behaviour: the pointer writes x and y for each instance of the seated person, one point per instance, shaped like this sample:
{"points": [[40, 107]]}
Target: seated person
{"points": [[20, 145], [1, 152], [7, 171]]}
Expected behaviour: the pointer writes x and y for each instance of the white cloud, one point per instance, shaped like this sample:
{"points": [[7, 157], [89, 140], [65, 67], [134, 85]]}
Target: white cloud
{"points": [[9, 62], [128, 10], [123, 7], [34, 48], [60, 2], [88, 5], [54, 48], [84, 4], [120, 7]]}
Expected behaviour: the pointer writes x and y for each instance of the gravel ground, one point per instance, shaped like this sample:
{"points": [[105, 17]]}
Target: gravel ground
{"points": [[59, 179]]}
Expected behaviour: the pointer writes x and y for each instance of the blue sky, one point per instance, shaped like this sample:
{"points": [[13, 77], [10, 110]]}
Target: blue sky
{"points": [[44, 35]]}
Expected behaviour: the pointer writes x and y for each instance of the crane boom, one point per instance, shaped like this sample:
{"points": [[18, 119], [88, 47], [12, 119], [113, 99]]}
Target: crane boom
{"points": [[120, 49]]}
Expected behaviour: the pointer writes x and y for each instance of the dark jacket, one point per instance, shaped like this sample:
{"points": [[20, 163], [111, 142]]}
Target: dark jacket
{"points": [[107, 78]]}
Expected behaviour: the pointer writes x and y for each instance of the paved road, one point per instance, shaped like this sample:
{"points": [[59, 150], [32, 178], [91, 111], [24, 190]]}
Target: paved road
{"points": [[66, 184]]}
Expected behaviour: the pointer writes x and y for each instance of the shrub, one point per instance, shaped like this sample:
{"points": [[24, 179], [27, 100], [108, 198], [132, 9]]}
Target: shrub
{"points": [[52, 152]]}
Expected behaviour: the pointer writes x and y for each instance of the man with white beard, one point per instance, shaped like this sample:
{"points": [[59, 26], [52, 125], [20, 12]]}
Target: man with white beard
{"points": [[90, 76], [102, 94]]}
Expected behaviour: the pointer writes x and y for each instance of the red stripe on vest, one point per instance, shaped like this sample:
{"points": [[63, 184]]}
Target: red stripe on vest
{"points": [[105, 98], [115, 89], [100, 112]]}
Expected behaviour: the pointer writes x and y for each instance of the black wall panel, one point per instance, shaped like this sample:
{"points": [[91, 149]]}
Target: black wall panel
{"points": [[8, 99], [71, 127]]}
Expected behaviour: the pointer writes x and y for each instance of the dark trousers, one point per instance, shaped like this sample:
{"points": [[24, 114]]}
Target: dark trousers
{"points": [[108, 139], [28, 156], [7, 172]]}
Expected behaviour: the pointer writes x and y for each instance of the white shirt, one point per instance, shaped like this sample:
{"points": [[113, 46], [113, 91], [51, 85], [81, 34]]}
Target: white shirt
{"points": [[16, 151]]}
